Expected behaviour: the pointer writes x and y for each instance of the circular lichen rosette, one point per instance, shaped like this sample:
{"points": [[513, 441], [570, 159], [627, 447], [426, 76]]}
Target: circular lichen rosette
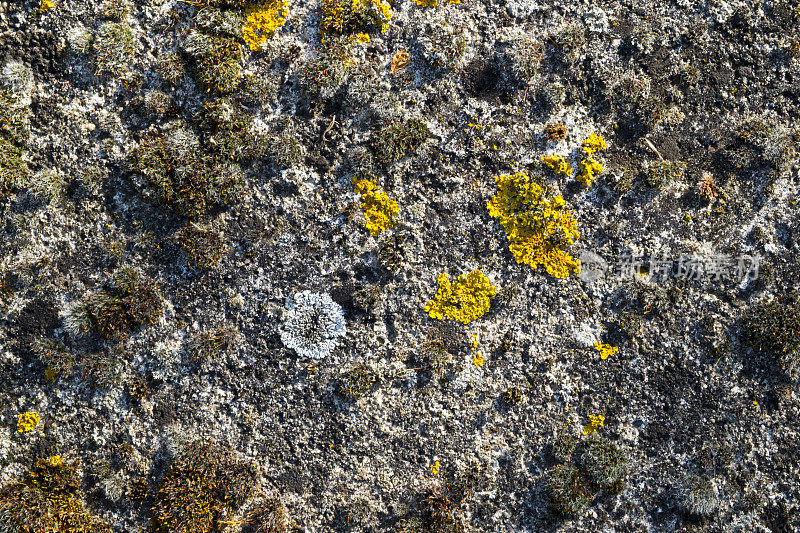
{"points": [[312, 324]]}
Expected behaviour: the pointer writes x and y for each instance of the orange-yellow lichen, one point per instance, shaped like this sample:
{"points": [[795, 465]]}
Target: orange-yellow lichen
{"points": [[595, 422], [538, 229], [262, 20], [589, 169], [27, 421], [593, 143], [605, 350], [465, 300], [378, 208], [557, 164]]}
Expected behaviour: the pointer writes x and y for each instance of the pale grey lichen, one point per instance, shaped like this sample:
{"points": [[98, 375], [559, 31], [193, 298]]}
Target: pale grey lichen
{"points": [[312, 324]]}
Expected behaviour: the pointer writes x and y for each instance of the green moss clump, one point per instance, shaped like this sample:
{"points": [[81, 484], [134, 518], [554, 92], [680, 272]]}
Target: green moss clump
{"points": [[211, 343], [172, 68], [128, 301], [604, 462], [182, 176], [443, 46], [114, 47], [568, 489], [202, 484], [512, 396], [284, 149], [701, 495], [14, 173], [322, 76], [220, 22], [256, 91], [588, 467], [216, 59], [396, 140], [439, 508], [203, 246], [772, 328], [47, 500], [6, 285], [115, 9], [14, 137], [356, 382], [227, 131], [269, 516], [353, 16], [660, 174]]}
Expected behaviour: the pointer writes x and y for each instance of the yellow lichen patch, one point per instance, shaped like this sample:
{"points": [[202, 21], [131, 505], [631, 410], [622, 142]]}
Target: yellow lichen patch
{"points": [[589, 169], [477, 360], [595, 422], [557, 164], [378, 207], [538, 229], [262, 20], [47, 5], [27, 421], [593, 143], [605, 350], [435, 468], [465, 300]]}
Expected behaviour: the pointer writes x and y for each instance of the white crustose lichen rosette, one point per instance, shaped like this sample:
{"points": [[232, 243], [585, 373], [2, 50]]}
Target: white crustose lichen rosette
{"points": [[312, 324]]}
